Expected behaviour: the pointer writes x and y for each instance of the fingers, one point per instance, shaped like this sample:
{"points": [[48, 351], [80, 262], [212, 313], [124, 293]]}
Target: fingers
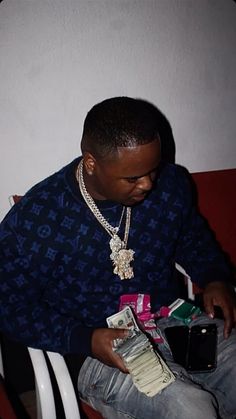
{"points": [[102, 346], [229, 321], [116, 360], [229, 313], [119, 363], [209, 307], [227, 328], [119, 333]]}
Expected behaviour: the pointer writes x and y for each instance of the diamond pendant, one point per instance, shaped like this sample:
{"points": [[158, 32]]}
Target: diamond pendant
{"points": [[121, 258]]}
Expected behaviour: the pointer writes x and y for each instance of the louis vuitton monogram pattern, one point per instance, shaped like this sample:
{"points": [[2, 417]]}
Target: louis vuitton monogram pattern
{"points": [[56, 280]]}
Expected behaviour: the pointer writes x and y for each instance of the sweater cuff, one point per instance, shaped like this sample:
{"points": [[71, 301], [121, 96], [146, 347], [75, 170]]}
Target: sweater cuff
{"points": [[80, 340], [214, 274]]}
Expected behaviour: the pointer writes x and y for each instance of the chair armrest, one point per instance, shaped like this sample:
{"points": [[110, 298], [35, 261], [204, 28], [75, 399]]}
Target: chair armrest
{"points": [[65, 385], [179, 268], [44, 392]]}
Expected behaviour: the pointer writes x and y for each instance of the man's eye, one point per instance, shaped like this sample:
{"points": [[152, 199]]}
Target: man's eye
{"points": [[131, 179]]}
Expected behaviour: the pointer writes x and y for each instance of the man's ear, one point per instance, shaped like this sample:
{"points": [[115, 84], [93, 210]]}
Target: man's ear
{"points": [[89, 163]]}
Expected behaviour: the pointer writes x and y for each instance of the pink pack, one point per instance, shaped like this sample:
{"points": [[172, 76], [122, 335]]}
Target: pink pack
{"points": [[141, 306]]}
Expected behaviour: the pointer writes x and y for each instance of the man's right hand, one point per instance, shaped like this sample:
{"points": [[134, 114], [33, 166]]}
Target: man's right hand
{"points": [[102, 347]]}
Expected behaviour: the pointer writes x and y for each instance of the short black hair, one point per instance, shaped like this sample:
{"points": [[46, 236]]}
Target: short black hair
{"points": [[119, 122]]}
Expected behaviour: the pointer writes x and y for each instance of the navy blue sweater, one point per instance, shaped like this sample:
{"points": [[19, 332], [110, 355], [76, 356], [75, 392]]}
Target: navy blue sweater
{"points": [[56, 279]]}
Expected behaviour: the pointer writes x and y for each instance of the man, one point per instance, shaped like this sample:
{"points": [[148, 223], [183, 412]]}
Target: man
{"points": [[112, 223]]}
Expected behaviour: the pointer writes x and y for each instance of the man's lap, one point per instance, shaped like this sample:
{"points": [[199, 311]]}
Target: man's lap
{"points": [[114, 395]]}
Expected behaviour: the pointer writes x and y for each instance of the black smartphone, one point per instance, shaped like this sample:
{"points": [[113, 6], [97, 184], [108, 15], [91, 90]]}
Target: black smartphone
{"points": [[202, 348], [177, 338], [194, 348]]}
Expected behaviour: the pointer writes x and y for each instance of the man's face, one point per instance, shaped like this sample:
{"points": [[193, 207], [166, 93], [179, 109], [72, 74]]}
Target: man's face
{"points": [[128, 177]]}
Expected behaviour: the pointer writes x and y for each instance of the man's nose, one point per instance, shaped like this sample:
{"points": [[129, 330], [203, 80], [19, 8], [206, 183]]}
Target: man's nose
{"points": [[145, 183]]}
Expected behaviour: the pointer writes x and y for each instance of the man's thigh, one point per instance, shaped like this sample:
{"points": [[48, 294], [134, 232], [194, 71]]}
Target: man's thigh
{"points": [[221, 382], [113, 394]]}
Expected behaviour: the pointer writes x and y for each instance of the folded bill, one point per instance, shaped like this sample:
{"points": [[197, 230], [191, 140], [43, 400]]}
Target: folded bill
{"points": [[149, 371]]}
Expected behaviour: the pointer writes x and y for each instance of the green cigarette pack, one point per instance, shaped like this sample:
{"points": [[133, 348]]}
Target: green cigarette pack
{"points": [[183, 310]]}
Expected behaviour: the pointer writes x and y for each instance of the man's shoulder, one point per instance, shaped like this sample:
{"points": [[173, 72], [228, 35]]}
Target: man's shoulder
{"points": [[174, 168], [175, 174], [52, 187], [51, 192], [173, 186], [53, 182]]}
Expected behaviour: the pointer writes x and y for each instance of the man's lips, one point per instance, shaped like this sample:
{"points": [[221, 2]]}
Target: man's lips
{"points": [[139, 197]]}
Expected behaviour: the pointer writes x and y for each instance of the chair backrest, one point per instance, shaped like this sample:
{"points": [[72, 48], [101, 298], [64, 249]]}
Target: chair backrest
{"points": [[44, 390], [46, 408]]}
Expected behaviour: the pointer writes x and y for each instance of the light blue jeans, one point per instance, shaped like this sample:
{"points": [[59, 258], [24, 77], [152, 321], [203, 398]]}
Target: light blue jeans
{"points": [[196, 396]]}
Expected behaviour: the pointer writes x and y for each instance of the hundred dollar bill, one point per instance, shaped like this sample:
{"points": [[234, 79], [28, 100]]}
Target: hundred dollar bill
{"points": [[124, 319]]}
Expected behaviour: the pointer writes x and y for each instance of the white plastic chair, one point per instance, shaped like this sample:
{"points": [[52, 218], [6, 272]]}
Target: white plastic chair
{"points": [[187, 278], [46, 408]]}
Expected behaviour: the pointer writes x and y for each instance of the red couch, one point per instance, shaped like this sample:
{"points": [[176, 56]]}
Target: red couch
{"points": [[216, 197], [217, 202]]}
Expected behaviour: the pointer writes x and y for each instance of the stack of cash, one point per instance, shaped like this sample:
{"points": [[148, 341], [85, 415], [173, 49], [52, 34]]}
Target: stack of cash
{"points": [[149, 372]]}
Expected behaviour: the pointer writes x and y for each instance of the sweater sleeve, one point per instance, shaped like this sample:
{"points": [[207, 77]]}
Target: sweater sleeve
{"points": [[25, 313], [197, 250]]}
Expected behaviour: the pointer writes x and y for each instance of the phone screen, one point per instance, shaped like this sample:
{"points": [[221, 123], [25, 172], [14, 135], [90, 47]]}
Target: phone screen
{"points": [[202, 346], [177, 338]]}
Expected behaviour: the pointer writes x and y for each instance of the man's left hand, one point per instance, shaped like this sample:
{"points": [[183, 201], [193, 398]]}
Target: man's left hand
{"points": [[222, 295]]}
